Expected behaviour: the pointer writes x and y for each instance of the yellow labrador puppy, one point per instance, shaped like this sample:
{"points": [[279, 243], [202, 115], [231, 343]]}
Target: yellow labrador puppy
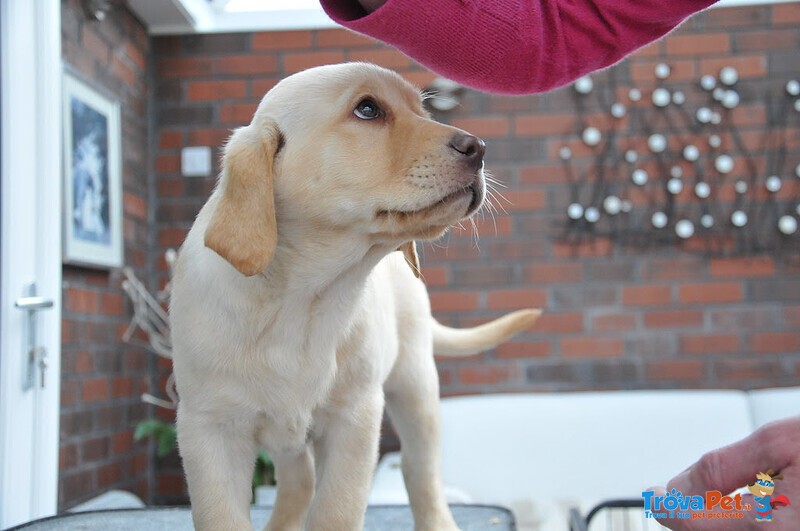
{"points": [[293, 319]]}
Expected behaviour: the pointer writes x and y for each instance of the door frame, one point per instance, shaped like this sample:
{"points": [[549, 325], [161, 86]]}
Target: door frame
{"points": [[30, 251]]}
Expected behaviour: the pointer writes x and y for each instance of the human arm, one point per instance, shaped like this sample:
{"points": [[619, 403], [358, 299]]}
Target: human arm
{"points": [[774, 446], [514, 46]]}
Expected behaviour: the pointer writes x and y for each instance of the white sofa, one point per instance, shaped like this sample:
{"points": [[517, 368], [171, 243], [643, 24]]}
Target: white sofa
{"points": [[540, 454]]}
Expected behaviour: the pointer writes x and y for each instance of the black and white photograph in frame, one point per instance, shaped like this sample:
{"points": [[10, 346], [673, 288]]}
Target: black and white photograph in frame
{"points": [[92, 183]]}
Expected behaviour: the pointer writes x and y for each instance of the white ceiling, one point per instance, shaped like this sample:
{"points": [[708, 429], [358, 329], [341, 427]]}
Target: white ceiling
{"points": [[265, 5], [164, 17]]}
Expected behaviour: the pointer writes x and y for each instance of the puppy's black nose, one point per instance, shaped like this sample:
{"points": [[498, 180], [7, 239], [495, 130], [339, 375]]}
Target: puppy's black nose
{"points": [[470, 147]]}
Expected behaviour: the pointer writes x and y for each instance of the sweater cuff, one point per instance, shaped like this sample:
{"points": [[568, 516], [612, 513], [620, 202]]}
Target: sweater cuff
{"points": [[445, 36], [343, 11], [385, 23]]}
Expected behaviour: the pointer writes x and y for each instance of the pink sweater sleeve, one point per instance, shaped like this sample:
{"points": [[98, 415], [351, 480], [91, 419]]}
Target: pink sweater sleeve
{"points": [[515, 46]]}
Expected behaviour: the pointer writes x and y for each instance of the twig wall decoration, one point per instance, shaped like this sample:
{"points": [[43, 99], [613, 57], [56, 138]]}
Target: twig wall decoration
{"points": [[150, 316]]}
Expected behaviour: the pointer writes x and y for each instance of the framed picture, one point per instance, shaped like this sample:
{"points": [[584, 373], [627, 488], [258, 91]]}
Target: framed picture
{"points": [[92, 180]]}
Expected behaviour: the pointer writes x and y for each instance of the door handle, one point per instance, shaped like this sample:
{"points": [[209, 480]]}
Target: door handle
{"points": [[33, 303], [36, 355]]}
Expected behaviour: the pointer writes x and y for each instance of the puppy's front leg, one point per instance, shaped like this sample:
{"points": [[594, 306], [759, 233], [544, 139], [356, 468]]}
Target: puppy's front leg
{"points": [[295, 478], [346, 455], [218, 458]]}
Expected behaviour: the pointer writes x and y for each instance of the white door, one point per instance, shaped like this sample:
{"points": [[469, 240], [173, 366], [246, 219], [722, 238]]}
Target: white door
{"points": [[30, 252]]}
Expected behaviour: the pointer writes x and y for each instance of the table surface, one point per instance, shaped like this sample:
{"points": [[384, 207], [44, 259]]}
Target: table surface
{"points": [[378, 518]]}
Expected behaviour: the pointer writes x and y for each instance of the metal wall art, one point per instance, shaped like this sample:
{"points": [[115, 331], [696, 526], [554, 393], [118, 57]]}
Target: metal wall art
{"points": [[709, 169]]}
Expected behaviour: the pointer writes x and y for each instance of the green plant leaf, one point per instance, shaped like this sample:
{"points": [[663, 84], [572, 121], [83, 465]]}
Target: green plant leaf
{"points": [[167, 441], [263, 458], [164, 433], [264, 470], [146, 428]]}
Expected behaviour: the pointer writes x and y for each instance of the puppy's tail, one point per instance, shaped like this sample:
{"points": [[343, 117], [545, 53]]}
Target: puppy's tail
{"points": [[467, 341]]}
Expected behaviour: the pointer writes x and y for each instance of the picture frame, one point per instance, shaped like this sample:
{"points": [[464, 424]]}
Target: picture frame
{"points": [[92, 177]]}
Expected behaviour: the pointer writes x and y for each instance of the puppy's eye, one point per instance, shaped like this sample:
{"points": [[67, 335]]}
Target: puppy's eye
{"points": [[367, 109]]}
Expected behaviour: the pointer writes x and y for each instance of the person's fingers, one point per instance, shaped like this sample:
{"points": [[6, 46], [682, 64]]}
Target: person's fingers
{"points": [[726, 469]]}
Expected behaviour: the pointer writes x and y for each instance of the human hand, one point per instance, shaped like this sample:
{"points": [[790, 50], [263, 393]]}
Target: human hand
{"points": [[371, 5], [774, 446]]}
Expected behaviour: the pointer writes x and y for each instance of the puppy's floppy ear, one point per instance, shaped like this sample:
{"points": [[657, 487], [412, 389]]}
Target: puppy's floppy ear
{"points": [[409, 250], [243, 229]]}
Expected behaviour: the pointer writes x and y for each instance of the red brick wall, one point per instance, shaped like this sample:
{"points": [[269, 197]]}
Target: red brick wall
{"points": [[103, 378], [617, 318]]}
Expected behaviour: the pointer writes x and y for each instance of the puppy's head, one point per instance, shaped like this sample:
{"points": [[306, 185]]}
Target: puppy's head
{"points": [[348, 148]]}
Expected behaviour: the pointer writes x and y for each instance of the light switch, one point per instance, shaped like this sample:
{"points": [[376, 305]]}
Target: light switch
{"points": [[196, 161]]}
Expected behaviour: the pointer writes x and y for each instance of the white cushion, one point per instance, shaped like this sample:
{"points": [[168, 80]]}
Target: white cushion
{"points": [[388, 487], [773, 404], [387, 484], [541, 454], [590, 446], [112, 499]]}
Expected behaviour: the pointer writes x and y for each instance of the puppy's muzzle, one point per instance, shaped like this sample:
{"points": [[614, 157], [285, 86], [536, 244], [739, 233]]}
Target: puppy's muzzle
{"points": [[470, 151]]}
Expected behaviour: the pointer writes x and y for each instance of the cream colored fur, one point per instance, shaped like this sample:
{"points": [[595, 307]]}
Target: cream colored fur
{"points": [[294, 321]]}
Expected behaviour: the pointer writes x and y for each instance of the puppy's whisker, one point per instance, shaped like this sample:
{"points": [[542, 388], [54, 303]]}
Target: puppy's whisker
{"points": [[475, 236], [487, 210], [446, 244], [489, 203], [491, 207], [441, 243], [493, 195], [494, 182], [488, 207], [494, 186], [428, 94]]}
